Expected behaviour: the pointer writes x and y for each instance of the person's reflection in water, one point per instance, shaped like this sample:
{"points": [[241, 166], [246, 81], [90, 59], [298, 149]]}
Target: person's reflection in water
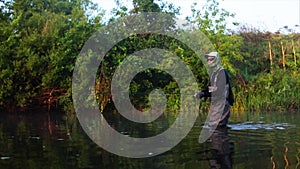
{"points": [[221, 149]]}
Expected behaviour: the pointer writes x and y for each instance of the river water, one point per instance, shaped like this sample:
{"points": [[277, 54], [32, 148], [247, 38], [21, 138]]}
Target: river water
{"points": [[51, 140]]}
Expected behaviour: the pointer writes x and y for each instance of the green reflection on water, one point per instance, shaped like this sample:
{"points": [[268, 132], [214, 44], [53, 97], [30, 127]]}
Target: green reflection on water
{"points": [[52, 141]]}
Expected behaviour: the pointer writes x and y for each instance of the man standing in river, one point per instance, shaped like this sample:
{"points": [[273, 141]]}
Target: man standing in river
{"points": [[219, 90]]}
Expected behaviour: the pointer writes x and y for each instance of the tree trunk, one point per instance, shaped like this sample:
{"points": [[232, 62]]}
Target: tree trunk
{"points": [[283, 55], [270, 53], [294, 52]]}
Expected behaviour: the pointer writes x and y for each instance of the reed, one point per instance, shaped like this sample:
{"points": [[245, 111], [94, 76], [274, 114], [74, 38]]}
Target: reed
{"points": [[271, 91]]}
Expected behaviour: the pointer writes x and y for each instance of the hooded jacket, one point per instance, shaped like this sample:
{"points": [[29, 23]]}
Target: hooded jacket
{"points": [[219, 85]]}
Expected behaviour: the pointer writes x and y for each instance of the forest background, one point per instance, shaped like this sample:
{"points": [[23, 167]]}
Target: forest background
{"points": [[41, 39]]}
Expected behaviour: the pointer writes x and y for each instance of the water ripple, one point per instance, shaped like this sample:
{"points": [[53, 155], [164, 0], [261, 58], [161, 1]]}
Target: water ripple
{"points": [[259, 125]]}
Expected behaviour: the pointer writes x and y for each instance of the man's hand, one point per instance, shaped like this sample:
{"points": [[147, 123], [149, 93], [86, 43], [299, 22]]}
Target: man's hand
{"points": [[200, 94]]}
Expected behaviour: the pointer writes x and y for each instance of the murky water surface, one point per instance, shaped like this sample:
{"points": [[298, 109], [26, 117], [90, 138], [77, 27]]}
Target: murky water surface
{"points": [[53, 141]]}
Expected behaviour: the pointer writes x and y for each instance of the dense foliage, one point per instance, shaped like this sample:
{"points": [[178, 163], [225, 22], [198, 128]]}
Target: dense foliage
{"points": [[40, 40], [39, 44]]}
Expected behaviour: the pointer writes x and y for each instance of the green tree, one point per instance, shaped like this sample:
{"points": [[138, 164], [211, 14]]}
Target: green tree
{"points": [[212, 21], [41, 41]]}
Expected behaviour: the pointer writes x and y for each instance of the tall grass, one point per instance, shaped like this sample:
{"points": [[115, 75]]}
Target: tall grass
{"points": [[275, 91]]}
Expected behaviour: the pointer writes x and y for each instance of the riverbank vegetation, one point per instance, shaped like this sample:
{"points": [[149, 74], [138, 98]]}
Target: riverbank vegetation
{"points": [[40, 41]]}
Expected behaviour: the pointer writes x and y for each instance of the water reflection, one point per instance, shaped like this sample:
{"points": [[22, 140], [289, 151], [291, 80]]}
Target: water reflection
{"points": [[221, 149], [53, 140]]}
